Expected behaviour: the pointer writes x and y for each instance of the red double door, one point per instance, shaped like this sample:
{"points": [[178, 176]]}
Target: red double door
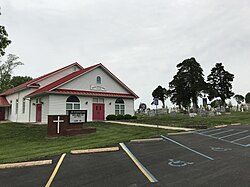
{"points": [[98, 111]]}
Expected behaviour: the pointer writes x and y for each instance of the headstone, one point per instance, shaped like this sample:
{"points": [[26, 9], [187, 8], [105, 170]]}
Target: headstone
{"points": [[211, 113], [173, 113], [192, 115], [222, 109], [151, 113]]}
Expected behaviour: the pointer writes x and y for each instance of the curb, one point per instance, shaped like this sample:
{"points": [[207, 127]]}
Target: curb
{"points": [[219, 126], [25, 164], [151, 126], [179, 133], [107, 149], [146, 140], [235, 124]]}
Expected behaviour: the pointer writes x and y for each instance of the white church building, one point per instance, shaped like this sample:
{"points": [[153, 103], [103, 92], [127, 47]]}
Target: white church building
{"points": [[72, 87]]}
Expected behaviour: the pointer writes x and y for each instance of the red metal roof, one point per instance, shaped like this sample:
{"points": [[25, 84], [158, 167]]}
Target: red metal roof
{"points": [[33, 81], [61, 81], [53, 86], [4, 102], [83, 92]]}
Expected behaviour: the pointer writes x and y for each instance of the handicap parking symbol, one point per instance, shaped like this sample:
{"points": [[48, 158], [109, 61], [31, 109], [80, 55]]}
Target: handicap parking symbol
{"points": [[178, 163], [220, 149]]}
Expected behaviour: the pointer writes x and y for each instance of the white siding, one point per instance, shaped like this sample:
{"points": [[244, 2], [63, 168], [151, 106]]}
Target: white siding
{"points": [[85, 81], [57, 76], [45, 109], [20, 116], [110, 109]]}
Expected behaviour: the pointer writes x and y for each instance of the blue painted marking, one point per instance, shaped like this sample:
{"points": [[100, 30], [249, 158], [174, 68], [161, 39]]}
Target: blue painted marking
{"points": [[178, 163], [220, 149], [187, 147], [125, 147]]}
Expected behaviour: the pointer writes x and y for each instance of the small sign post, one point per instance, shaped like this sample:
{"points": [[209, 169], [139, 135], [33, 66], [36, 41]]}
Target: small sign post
{"points": [[58, 121], [77, 116]]}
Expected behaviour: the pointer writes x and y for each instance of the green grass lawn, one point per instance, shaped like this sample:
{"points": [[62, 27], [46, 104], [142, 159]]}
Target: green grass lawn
{"points": [[22, 142], [183, 120]]}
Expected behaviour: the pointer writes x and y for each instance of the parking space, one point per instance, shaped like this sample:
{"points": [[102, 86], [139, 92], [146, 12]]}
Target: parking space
{"points": [[209, 157], [27, 176], [99, 169], [239, 135]]}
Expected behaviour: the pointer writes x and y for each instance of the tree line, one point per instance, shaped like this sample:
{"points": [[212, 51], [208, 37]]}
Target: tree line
{"points": [[189, 84], [8, 81]]}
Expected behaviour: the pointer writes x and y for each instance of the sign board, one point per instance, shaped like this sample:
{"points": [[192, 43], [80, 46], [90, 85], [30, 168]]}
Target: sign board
{"points": [[156, 101], [77, 116], [97, 88]]}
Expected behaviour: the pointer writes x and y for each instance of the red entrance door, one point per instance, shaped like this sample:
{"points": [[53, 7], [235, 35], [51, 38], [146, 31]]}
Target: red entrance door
{"points": [[98, 111], [38, 112], [2, 114]]}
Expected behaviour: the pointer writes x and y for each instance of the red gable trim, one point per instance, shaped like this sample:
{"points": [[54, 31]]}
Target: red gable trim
{"points": [[119, 81], [4, 102], [61, 81], [92, 93], [72, 76], [32, 82]]}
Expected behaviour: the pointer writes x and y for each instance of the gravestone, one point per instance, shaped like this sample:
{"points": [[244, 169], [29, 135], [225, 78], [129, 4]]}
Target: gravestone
{"points": [[68, 125], [211, 113], [222, 109]]}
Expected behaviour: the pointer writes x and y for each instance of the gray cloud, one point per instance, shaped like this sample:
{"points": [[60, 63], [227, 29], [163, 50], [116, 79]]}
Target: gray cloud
{"points": [[140, 41]]}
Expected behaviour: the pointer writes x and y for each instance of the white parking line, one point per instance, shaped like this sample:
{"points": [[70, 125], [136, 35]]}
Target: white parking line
{"points": [[241, 138], [233, 134], [186, 147], [232, 142], [222, 132], [206, 131]]}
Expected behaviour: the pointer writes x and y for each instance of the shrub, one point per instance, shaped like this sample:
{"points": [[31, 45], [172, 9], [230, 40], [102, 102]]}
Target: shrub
{"points": [[134, 117], [127, 116], [120, 117], [111, 117]]}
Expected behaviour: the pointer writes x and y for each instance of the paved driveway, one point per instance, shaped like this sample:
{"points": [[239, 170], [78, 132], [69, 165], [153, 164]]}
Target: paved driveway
{"points": [[210, 157]]}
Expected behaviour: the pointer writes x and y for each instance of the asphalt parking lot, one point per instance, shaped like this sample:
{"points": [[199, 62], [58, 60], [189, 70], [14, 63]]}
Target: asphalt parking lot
{"points": [[209, 157]]}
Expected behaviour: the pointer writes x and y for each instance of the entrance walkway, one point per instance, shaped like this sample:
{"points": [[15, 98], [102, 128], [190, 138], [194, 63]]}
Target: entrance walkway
{"points": [[151, 126]]}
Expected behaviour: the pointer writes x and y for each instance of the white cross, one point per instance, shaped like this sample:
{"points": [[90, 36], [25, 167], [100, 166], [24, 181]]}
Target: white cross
{"points": [[58, 121]]}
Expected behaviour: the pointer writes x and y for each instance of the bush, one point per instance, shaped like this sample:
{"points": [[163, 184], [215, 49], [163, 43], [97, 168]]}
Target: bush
{"points": [[111, 117], [134, 117], [120, 117], [127, 116]]}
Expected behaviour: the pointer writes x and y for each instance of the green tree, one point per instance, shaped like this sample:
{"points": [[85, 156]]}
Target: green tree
{"points": [[187, 84], [161, 94], [247, 98], [6, 69], [220, 83], [239, 98], [17, 80], [4, 41], [216, 103]]}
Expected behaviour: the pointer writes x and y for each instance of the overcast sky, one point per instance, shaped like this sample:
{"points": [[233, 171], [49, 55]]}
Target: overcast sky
{"points": [[140, 41]]}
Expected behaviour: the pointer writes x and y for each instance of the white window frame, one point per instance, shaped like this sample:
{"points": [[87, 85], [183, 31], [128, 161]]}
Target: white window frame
{"points": [[120, 108], [74, 105]]}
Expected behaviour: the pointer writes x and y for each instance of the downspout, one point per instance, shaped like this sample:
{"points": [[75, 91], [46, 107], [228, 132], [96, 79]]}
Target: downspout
{"points": [[29, 108]]}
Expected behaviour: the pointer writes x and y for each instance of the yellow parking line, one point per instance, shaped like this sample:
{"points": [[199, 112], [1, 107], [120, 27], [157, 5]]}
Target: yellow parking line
{"points": [[150, 177], [55, 170]]}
